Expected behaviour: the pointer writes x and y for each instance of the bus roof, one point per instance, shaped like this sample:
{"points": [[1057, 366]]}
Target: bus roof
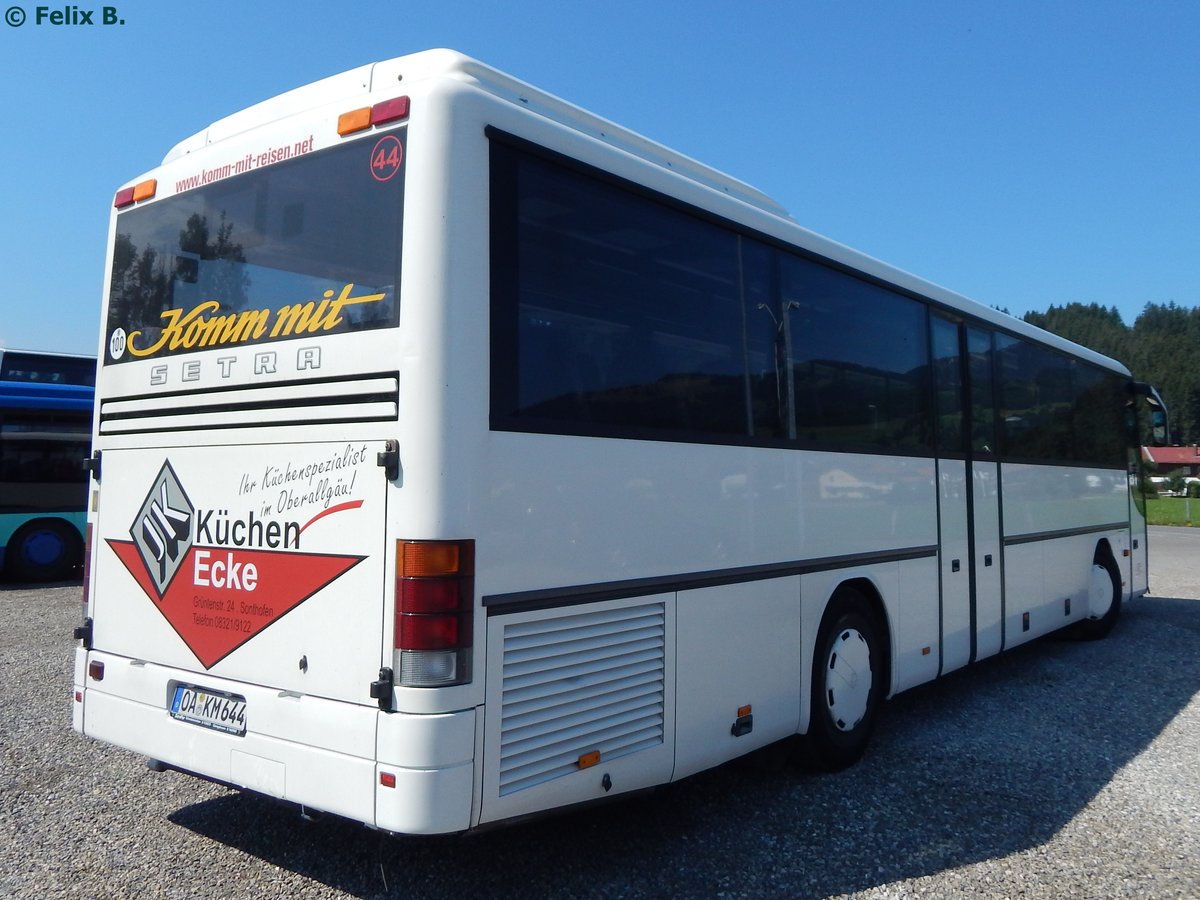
{"points": [[450, 64], [433, 64]]}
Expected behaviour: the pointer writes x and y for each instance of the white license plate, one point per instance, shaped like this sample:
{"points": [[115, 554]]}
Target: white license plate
{"points": [[212, 709]]}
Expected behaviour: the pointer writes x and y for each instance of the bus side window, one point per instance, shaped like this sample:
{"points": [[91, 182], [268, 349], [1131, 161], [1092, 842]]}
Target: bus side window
{"points": [[982, 389]]}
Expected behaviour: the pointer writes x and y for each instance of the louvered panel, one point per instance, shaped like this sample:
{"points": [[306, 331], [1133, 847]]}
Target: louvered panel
{"points": [[599, 685], [577, 684], [585, 711]]}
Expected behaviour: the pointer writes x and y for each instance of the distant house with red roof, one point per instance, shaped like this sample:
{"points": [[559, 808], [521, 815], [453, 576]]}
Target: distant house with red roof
{"points": [[1172, 459]]}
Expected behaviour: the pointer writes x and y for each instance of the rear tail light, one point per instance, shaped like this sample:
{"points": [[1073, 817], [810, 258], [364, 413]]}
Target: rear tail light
{"points": [[435, 591]]}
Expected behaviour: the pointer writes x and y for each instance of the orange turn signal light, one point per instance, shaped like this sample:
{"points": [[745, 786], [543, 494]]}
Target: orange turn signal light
{"points": [[434, 559], [355, 120]]}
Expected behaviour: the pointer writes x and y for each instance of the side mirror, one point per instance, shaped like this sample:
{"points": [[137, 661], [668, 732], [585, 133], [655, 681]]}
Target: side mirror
{"points": [[1158, 427]]}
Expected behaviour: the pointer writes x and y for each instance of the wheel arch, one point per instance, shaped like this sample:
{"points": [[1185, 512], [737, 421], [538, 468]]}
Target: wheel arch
{"points": [[63, 528]]}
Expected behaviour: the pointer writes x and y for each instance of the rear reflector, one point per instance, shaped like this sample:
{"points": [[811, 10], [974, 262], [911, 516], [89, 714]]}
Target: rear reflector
{"points": [[387, 779], [96, 670]]}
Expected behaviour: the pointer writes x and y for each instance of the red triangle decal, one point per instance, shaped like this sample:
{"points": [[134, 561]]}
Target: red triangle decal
{"points": [[214, 603]]}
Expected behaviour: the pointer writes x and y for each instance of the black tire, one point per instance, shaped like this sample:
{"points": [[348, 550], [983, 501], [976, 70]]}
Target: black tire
{"points": [[1093, 629], [43, 550], [848, 683]]}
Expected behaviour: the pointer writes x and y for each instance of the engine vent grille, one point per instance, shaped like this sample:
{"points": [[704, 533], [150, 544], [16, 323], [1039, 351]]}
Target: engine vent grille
{"points": [[580, 684], [368, 398]]}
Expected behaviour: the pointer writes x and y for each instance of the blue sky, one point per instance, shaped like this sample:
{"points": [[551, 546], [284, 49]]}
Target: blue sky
{"points": [[1021, 153]]}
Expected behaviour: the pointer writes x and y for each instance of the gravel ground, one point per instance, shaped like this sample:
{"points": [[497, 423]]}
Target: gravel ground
{"points": [[1062, 769]]}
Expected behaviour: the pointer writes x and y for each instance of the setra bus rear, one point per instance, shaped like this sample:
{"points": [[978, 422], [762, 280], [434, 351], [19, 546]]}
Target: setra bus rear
{"points": [[273, 600]]}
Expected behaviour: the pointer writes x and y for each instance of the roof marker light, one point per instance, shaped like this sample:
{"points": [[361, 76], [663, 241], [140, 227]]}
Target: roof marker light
{"points": [[389, 111], [143, 190], [381, 113], [355, 120]]}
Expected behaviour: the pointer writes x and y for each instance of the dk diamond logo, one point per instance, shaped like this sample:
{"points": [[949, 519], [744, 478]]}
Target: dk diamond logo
{"points": [[162, 531], [218, 580]]}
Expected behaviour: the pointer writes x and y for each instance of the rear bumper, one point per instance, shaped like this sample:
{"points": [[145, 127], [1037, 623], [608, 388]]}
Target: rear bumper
{"points": [[323, 754]]}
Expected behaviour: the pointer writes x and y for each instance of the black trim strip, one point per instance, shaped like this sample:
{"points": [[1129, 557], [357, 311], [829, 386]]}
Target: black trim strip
{"points": [[574, 595], [253, 386], [1063, 533], [161, 428]]}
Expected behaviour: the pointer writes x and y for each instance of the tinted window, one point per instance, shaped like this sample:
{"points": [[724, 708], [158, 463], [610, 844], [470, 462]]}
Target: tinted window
{"points": [[41, 456], [46, 368], [948, 386], [982, 389], [859, 358], [251, 257], [1100, 426], [1036, 400], [628, 311], [1058, 409], [617, 313]]}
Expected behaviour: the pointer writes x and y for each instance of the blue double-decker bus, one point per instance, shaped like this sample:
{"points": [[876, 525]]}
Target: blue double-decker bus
{"points": [[46, 404]]}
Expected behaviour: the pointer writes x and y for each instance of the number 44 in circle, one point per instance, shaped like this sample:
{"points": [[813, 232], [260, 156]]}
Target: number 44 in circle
{"points": [[386, 157]]}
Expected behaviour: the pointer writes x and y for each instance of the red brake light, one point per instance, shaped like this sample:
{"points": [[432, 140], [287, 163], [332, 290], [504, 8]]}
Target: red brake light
{"points": [[425, 632]]}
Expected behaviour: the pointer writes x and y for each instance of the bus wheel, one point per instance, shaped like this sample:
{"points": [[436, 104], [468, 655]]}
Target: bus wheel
{"points": [[847, 683], [43, 550], [1104, 598]]}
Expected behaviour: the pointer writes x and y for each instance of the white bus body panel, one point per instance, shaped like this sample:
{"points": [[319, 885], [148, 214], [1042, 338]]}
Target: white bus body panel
{"points": [[1046, 566], [955, 564], [324, 754], [565, 511], [272, 564], [738, 646]]}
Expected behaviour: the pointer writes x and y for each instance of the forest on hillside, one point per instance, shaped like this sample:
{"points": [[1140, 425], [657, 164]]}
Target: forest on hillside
{"points": [[1161, 347]]}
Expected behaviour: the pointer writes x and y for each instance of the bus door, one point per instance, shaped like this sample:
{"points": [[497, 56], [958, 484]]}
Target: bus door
{"points": [[968, 476]]}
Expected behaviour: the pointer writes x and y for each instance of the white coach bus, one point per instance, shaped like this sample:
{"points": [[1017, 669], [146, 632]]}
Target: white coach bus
{"points": [[461, 455]]}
